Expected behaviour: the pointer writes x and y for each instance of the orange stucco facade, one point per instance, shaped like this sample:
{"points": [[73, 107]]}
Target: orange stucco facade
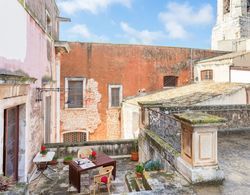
{"points": [[134, 67]]}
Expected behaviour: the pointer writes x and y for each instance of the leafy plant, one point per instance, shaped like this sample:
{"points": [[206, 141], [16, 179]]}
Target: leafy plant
{"points": [[135, 146], [68, 158], [139, 168]]}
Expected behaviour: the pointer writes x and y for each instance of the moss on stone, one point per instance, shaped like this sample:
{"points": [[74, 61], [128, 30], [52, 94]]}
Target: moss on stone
{"points": [[199, 118], [162, 143]]}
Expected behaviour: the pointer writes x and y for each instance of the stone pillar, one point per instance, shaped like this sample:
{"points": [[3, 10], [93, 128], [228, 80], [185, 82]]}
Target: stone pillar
{"points": [[198, 161]]}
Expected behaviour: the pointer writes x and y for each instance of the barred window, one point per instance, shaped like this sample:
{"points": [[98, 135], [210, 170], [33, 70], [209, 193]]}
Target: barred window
{"points": [[207, 75], [75, 94], [170, 81], [75, 137], [115, 95]]}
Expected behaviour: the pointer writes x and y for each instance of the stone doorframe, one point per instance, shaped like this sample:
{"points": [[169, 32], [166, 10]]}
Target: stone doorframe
{"points": [[8, 103]]}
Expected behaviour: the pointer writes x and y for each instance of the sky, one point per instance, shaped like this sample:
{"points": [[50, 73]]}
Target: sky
{"points": [[180, 23]]}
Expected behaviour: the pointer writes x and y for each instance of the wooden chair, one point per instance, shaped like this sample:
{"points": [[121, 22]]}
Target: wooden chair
{"points": [[84, 151], [103, 178]]}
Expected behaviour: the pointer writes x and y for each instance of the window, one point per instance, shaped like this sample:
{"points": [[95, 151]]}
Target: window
{"points": [[48, 23], [115, 95], [74, 96], [74, 137], [226, 6], [248, 5], [207, 75], [170, 81]]}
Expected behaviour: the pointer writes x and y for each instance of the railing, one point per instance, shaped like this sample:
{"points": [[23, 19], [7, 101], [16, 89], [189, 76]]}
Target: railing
{"points": [[166, 126]]}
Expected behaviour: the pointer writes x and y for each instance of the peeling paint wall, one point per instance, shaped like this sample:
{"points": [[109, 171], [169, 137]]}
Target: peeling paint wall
{"points": [[135, 67], [86, 118], [24, 49]]}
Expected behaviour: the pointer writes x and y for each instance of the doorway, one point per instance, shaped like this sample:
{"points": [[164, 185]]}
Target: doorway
{"points": [[48, 119], [11, 142]]}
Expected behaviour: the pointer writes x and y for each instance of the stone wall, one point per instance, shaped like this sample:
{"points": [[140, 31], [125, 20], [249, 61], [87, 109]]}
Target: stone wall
{"points": [[114, 148], [153, 147], [165, 126], [237, 116]]}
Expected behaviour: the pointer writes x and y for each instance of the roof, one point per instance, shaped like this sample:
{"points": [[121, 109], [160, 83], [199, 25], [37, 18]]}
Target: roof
{"points": [[224, 57], [188, 95]]}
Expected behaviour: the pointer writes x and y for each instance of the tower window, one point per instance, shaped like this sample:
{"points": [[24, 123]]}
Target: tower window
{"points": [[226, 6]]}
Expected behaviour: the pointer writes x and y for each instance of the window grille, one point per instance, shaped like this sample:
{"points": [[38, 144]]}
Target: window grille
{"points": [[207, 75], [74, 137], [170, 81]]}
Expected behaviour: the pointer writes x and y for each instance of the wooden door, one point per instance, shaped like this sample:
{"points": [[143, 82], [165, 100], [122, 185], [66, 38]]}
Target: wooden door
{"points": [[11, 135]]}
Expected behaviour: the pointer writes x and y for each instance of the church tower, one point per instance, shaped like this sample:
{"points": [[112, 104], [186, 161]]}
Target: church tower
{"points": [[232, 29]]}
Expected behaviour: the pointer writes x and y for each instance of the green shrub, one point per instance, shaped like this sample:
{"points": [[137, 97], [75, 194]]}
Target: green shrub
{"points": [[139, 168], [68, 158]]}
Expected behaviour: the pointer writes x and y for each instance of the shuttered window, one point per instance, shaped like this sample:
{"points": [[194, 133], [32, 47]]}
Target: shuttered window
{"points": [[75, 137], [170, 81], [206, 75], [115, 95], [75, 94]]}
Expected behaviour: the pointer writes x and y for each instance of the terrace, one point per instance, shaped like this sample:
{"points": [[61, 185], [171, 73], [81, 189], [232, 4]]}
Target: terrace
{"points": [[234, 162]]}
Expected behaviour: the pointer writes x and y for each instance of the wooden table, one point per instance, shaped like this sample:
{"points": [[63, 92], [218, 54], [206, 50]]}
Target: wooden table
{"points": [[75, 170]]}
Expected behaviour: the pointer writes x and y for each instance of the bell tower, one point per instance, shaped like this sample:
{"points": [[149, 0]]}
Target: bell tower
{"points": [[232, 29]]}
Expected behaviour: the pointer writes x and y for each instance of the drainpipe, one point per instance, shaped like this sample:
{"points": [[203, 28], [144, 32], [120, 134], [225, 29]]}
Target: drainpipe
{"points": [[230, 73], [191, 65]]}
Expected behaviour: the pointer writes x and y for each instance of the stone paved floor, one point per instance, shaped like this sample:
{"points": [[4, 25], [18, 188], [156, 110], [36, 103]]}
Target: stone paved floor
{"points": [[60, 185], [234, 158]]}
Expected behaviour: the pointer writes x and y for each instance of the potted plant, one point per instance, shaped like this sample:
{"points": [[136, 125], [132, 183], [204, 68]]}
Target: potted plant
{"points": [[67, 160], [54, 161], [134, 151], [139, 170], [92, 156], [43, 150]]}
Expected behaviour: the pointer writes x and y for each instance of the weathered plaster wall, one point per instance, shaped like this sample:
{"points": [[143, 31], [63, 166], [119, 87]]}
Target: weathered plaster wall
{"points": [[86, 118], [221, 70], [24, 50], [133, 66]]}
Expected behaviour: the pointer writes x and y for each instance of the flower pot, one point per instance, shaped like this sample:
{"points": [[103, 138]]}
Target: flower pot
{"points": [[53, 162], [66, 162], [134, 156], [138, 175]]}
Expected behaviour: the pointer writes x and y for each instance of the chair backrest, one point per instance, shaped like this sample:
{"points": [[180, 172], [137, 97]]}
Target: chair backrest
{"points": [[84, 151], [104, 171]]}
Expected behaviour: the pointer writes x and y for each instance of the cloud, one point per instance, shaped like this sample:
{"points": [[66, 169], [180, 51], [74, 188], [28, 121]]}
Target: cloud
{"points": [[179, 16], [93, 6], [144, 36], [82, 33]]}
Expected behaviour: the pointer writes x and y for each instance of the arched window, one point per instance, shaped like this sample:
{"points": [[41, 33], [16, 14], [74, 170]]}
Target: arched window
{"points": [[74, 137], [226, 6]]}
